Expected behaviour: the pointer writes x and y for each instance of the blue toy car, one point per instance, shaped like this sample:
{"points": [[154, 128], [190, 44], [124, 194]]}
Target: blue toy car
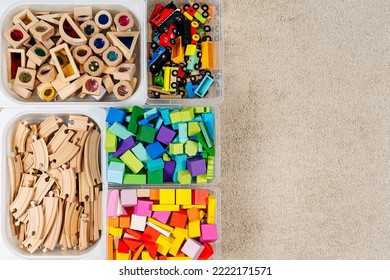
{"points": [[160, 56]]}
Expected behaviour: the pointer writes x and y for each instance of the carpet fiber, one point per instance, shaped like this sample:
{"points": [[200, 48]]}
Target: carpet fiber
{"points": [[305, 130]]}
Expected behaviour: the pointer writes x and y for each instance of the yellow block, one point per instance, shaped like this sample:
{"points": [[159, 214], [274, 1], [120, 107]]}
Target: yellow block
{"points": [[180, 232], [117, 232], [202, 214], [211, 209], [163, 208], [200, 179], [68, 70], [190, 50], [199, 206], [183, 196], [161, 225], [176, 245], [164, 244], [122, 256], [145, 256], [167, 196], [194, 229]]}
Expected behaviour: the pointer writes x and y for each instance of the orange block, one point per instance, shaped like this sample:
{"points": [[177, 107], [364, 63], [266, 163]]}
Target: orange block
{"points": [[124, 221], [180, 254], [162, 258], [113, 222], [154, 194], [110, 247], [132, 244], [193, 214], [150, 234], [199, 197], [133, 233], [152, 248], [138, 253], [178, 219]]}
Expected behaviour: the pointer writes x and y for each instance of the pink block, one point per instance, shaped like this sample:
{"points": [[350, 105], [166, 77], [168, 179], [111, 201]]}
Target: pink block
{"points": [[112, 203], [209, 233], [143, 208], [192, 248], [128, 198], [161, 216]]}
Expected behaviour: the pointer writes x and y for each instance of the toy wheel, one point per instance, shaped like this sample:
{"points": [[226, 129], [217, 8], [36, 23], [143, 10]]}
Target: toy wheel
{"points": [[178, 79], [174, 30], [193, 78], [169, 48], [197, 66], [194, 24], [205, 7], [163, 56], [155, 32], [182, 93], [156, 94], [154, 46], [153, 67], [174, 85], [174, 73], [199, 54], [184, 68], [172, 41], [205, 14], [195, 6], [186, 6], [207, 28], [208, 73], [208, 38]]}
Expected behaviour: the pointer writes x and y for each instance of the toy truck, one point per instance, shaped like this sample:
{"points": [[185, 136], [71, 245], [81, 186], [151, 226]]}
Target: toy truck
{"points": [[166, 17], [160, 56]]}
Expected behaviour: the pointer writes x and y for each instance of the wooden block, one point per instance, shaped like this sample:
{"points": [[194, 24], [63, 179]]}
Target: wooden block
{"points": [[108, 83], [21, 91], [73, 28], [155, 194], [59, 84], [94, 66], [82, 13], [211, 209], [81, 54], [98, 43], [15, 58], [112, 56], [46, 92], [143, 192], [167, 196], [123, 21], [26, 19], [103, 19], [91, 85], [89, 28], [16, 36], [46, 73], [51, 18], [48, 43], [192, 248], [113, 222], [138, 222], [25, 78], [42, 31], [193, 214], [31, 64], [194, 229], [161, 225], [123, 90], [183, 196], [63, 61], [165, 208], [125, 41], [70, 89], [112, 203], [124, 72], [38, 54], [124, 221]]}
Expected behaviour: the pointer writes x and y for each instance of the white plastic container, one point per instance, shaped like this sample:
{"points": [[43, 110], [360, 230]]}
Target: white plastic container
{"points": [[8, 9], [8, 243], [212, 190], [217, 145], [216, 92]]}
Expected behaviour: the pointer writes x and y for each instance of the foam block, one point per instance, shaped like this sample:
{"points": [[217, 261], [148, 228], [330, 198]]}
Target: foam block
{"points": [[124, 146], [129, 198]]}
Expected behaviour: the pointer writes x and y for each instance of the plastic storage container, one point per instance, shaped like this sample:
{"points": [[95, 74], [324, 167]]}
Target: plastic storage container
{"points": [[212, 190], [216, 92], [8, 9], [8, 243], [217, 143]]}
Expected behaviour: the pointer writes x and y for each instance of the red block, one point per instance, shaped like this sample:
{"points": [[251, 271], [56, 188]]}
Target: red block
{"points": [[122, 247], [200, 197], [207, 252], [133, 233], [152, 248], [179, 219], [150, 234], [132, 244]]}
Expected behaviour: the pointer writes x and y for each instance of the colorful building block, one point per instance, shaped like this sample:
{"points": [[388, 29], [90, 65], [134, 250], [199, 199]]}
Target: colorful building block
{"points": [[165, 208], [168, 171], [193, 214], [143, 208], [200, 196], [128, 198], [182, 127], [193, 128], [132, 162], [155, 165], [155, 150], [112, 203], [124, 146], [155, 177], [150, 234], [115, 115], [192, 248], [187, 114], [211, 209], [134, 179], [209, 233], [165, 135], [165, 116], [191, 148], [146, 134], [178, 219], [196, 166], [176, 148], [175, 116], [162, 217], [167, 196], [184, 177], [207, 252], [111, 142], [115, 172], [208, 120], [194, 229], [138, 222], [140, 152], [136, 114], [201, 179], [120, 131], [183, 196], [181, 164]]}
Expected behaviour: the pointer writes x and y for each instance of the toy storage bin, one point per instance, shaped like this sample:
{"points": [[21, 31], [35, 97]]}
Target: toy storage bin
{"points": [[8, 243], [216, 93], [8, 9], [212, 190], [217, 144]]}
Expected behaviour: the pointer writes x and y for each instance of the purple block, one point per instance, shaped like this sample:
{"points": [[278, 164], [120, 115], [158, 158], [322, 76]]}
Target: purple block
{"points": [[161, 216], [165, 135], [197, 166], [169, 169], [143, 208], [124, 146]]}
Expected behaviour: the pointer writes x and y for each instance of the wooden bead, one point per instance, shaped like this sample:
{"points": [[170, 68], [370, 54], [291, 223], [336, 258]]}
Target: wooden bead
{"points": [[99, 43], [89, 28], [16, 36], [112, 56], [124, 72], [38, 54], [103, 19], [123, 90], [82, 13], [94, 66], [26, 19], [81, 53], [46, 73], [91, 85], [42, 31], [123, 21]]}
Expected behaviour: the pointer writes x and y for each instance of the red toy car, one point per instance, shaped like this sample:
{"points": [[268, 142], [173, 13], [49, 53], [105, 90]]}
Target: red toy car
{"points": [[167, 39]]}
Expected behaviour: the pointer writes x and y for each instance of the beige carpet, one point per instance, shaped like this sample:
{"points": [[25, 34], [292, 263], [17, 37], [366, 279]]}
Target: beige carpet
{"points": [[306, 130]]}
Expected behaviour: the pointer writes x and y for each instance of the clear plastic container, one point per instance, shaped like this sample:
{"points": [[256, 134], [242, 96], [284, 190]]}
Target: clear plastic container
{"points": [[8, 243], [212, 190], [137, 8], [217, 144], [216, 92]]}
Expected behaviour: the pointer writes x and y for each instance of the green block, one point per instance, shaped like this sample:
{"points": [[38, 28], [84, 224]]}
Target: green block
{"points": [[210, 168], [206, 135], [175, 116], [111, 142], [120, 131], [200, 179], [201, 110], [166, 157], [134, 179], [193, 128], [136, 116], [205, 154], [191, 148], [184, 177], [112, 159], [202, 141], [132, 162], [187, 114], [128, 109], [155, 177], [176, 148], [146, 134]]}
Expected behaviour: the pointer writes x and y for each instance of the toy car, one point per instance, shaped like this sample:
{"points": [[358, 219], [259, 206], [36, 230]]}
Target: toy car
{"points": [[193, 63], [167, 39], [160, 56], [166, 17], [190, 35], [170, 74], [193, 11]]}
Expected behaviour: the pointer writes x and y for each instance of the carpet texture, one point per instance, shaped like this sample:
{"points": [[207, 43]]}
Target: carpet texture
{"points": [[305, 130]]}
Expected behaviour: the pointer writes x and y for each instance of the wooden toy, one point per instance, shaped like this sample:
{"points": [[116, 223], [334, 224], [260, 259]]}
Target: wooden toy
{"points": [[42, 31], [82, 13], [125, 41], [46, 73], [25, 19], [89, 28], [94, 66], [103, 19], [25, 78], [38, 54], [91, 85], [46, 92], [81, 54], [123, 90], [70, 32], [63, 61], [15, 58], [123, 21], [98, 43], [124, 72], [112, 56]]}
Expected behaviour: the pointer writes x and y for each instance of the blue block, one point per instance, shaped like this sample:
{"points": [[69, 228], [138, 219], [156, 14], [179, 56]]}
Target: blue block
{"points": [[140, 152], [175, 126], [150, 112], [155, 150], [193, 138], [181, 164], [120, 131], [159, 124], [155, 165], [183, 132], [115, 172], [208, 120], [128, 118], [115, 115], [165, 116], [145, 122]]}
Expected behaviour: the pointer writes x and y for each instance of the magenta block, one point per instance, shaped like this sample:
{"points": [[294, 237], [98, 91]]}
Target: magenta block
{"points": [[209, 233], [128, 198], [165, 135], [197, 166], [143, 208], [161, 216]]}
